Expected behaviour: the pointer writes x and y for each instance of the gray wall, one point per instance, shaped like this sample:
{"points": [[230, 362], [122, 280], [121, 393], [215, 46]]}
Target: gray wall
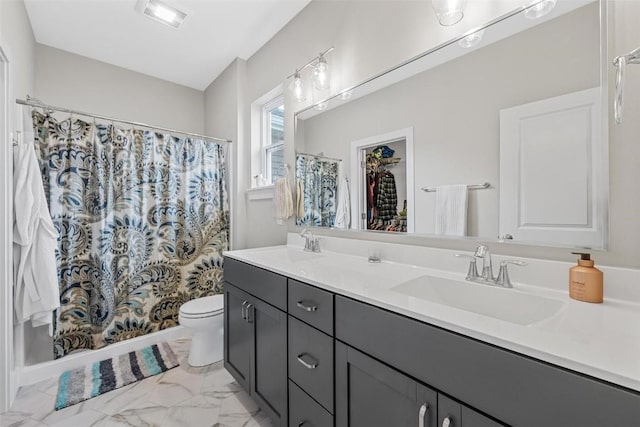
{"points": [[68, 80], [18, 45], [523, 68]]}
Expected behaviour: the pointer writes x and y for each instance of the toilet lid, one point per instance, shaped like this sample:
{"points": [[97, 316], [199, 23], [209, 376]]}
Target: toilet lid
{"points": [[204, 305]]}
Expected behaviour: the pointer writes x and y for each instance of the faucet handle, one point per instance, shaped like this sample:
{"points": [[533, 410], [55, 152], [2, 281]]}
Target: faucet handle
{"points": [[503, 275], [472, 273]]}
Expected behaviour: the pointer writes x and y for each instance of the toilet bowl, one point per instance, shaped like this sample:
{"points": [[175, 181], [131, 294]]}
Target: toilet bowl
{"points": [[205, 317]]}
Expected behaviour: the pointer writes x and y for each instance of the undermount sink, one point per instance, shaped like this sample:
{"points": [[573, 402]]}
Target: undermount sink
{"points": [[500, 303]]}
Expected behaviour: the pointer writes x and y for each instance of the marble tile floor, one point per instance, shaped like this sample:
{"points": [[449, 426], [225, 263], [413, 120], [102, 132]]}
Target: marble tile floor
{"points": [[183, 396]]}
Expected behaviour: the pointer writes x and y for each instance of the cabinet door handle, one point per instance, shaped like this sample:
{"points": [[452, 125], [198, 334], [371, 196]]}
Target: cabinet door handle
{"points": [[243, 311], [306, 307], [313, 364], [302, 423], [424, 409], [250, 313], [446, 422]]}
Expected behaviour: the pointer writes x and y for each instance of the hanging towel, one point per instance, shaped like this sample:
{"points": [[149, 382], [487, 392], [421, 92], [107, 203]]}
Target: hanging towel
{"points": [[282, 198], [451, 210], [299, 199], [36, 291], [343, 211]]}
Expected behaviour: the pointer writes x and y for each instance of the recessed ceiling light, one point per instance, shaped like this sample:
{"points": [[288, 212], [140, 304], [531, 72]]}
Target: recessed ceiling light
{"points": [[161, 12]]}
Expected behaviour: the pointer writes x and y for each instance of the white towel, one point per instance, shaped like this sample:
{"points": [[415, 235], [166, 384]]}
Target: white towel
{"points": [[282, 198], [451, 210], [36, 291], [343, 210]]}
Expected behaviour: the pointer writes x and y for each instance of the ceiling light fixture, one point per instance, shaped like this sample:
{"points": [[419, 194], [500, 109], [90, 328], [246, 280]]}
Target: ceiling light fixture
{"points": [[321, 76], [161, 12], [539, 9], [449, 12]]}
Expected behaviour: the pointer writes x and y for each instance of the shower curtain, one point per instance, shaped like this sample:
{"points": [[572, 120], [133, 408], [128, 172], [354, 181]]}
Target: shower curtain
{"points": [[142, 219], [319, 179]]}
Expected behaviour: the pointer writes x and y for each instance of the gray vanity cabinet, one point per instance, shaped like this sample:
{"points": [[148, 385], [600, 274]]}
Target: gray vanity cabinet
{"points": [[370, 394], [238, 336], [255, 337]]}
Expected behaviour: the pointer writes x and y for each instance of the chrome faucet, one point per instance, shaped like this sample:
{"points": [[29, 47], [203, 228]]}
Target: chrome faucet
{"points": [[311, 243], [487, 277], [482, 251]]}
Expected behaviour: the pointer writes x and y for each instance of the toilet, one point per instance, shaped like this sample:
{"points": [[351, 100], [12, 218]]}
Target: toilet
{"points": [[205, 317]]}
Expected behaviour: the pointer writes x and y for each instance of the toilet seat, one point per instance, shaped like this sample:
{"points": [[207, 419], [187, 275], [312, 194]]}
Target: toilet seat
{"points": [[202, 307]]}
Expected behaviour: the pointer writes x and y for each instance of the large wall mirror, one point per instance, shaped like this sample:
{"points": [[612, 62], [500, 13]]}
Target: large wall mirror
{"points": [[500, 133]]}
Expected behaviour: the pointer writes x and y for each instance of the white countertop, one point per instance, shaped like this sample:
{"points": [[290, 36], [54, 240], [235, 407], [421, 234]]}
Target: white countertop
{"points": [[601, 340]]}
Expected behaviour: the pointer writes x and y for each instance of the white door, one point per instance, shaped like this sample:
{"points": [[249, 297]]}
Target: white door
{"points": [[554, 171]]}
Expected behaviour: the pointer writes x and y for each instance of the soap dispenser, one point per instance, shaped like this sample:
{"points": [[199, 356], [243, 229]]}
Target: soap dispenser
{"points": [[585, 281]]}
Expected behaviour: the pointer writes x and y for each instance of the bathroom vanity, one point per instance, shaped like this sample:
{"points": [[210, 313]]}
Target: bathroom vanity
{"points": [[329, 339]]}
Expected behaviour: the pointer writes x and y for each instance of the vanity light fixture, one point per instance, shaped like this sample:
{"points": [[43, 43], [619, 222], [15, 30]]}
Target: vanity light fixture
{"points": [[449, 12], [161, 12], [471, 40], [297, 87], [321, 76], [539, 9]]}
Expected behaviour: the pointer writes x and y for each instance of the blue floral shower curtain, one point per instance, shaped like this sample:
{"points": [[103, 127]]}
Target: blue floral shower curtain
{"points": [[318, 179], [142, 219]]}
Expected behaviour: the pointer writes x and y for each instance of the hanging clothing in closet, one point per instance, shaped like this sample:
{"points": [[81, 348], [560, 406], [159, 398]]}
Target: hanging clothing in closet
{"points": [[387, 197]]}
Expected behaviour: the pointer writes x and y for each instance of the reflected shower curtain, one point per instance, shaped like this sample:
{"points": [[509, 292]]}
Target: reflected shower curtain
{"points": [[142, 220], [319, 179]]}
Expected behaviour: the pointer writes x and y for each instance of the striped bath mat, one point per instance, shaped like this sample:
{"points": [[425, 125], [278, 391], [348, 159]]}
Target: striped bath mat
{"points": [[78, 385]]}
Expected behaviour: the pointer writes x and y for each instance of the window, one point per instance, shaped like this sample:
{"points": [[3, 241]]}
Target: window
{"points": [[272, 144]]}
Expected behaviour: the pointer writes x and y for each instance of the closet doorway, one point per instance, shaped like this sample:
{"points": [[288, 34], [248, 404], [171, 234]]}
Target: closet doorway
{"points": [[382, 171]]}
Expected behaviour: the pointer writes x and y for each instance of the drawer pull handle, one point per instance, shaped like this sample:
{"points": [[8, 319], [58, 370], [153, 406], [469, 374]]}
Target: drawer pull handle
{"points": [[250, 313], [422, 414], [446, 422], [313, 364], [303, 306], [243, 311]]}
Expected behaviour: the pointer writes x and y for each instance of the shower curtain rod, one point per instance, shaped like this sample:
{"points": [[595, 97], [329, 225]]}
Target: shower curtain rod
{"points": [[36, 104], [318, 156]]}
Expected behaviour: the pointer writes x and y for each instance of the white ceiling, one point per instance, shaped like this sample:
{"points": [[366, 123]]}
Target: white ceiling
{"points": [[214, 33]]}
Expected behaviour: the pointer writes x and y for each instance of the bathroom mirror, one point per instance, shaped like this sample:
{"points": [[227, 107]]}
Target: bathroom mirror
{"points": [[498, 133]]}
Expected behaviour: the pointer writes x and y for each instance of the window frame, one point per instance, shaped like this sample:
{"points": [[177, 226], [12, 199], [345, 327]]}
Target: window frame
{"points": [[266, 144]]}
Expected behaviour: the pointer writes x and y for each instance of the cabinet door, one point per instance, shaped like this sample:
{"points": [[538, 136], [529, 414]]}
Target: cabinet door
{"points": [[238, 336], [269, 359], [370, 394]]}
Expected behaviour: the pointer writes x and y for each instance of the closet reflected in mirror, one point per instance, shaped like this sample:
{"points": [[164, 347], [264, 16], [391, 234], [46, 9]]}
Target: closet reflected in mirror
{"points": [[523, 109]]}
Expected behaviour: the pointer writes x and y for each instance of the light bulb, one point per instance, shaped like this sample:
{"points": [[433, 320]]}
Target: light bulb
{"points": [[346, 95], [297, 87], [539, 9], [321, 106], [321, 74], [471, 40], [449, 12]]}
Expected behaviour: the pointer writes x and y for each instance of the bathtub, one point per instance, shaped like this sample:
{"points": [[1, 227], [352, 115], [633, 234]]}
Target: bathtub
{"points": [[30, 372]]}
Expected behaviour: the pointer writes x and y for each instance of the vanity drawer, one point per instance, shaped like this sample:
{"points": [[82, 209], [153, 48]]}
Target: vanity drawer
{"points": [[311, 305], [311, 361], [304, 411], [269, 287]]}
